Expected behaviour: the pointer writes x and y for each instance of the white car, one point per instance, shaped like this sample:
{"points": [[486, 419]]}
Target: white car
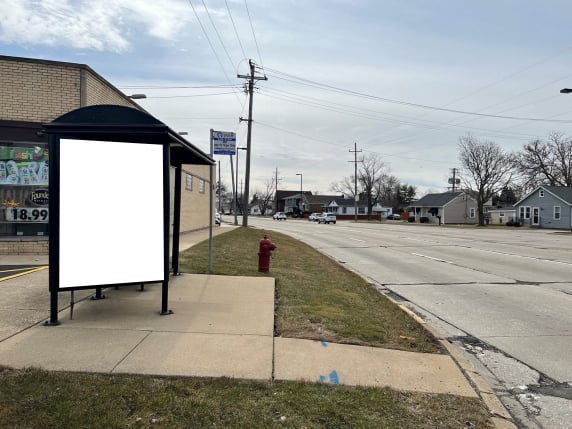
{"points": [[327, 218], [279, 216], [314, 217]]}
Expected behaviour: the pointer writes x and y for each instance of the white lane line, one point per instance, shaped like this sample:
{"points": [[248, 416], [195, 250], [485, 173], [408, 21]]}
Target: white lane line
{"points": [[432, 258], [356, 239]]}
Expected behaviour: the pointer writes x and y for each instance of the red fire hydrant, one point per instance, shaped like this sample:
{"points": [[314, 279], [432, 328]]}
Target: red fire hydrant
{"points": [[264, 253]]}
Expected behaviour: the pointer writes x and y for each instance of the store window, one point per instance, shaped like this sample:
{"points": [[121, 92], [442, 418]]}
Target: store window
{"points": [[24, 173]]}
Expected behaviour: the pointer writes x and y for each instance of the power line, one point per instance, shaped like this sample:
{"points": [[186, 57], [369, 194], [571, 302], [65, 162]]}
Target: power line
{"points": [[431, 125], [307, 137], [178, 87], [253, 34], [211, 45], [235, 31], [332, 88], [218, 34], [190, 96]]}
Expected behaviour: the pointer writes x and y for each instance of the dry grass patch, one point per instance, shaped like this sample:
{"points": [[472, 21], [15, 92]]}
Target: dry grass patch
{"points": [[316, 298]]}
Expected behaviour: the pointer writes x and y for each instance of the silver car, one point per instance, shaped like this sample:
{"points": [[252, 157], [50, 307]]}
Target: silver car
{"points": [[279, 216], [327, 218]]}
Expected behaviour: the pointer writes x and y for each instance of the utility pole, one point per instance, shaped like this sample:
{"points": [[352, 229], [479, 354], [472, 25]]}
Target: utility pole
{"points": [[355, 161], [453, 181], [251, 79], [276, 192]]}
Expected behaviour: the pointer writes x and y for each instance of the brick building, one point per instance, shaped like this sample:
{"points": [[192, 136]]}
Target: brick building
{"points": [[34, 92]]}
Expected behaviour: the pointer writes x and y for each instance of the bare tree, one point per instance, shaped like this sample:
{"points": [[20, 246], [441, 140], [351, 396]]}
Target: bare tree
{"points": [[386, 190], [346, 186], [548, 163], [489, 169], [265, 197], [370, 173]]}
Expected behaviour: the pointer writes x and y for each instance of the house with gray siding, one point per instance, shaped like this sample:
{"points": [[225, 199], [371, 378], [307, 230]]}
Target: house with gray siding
{"points": [[546, 207], [446, 207]]}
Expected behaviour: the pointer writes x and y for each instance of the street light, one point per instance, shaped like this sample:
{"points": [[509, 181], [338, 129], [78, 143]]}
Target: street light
{"points": [[565, 90], [235, 202], [301, 196]]}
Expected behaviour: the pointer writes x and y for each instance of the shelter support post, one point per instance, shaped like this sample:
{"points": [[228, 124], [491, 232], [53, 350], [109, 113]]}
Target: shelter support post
{"points": [[176, 221], [166, 216]]}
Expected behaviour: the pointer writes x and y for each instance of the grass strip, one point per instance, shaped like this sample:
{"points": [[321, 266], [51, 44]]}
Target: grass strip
{"points": [[316, 298], [44, 399]]}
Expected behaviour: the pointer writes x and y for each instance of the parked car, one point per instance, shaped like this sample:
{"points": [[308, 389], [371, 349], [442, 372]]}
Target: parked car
{"points": [[279, 216], [327, 218], [314, 217], [394, 217]]}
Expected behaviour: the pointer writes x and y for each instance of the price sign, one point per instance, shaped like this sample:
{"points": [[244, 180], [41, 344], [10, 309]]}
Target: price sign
{"points": [[26, 214]]}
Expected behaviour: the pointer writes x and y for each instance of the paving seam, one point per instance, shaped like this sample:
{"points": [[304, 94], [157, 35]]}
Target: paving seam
{"points": [[129, 352]]}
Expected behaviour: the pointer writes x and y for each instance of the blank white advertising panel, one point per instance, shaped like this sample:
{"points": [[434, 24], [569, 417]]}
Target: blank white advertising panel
{"points": [[111, 213]]}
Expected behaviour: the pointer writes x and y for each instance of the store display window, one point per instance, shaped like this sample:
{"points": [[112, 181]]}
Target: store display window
{"points": [[24, 177]]}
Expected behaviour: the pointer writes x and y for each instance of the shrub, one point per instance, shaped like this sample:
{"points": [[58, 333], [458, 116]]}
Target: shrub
{"points": [[424, 219]]}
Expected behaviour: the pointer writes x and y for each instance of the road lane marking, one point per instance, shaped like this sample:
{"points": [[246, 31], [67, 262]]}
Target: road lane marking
{"points": [[432, 258], [23, 273], [356, 239]]}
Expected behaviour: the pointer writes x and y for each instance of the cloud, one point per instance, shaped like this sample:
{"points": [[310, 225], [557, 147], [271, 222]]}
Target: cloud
{"points": [[104, 25]]}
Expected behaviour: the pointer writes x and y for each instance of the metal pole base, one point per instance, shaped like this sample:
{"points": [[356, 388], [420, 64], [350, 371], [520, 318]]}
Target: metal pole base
{"points": [[98, 294], [166, 313], [52, 323]]}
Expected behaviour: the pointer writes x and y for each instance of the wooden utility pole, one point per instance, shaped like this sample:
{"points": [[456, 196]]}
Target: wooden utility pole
{"points": [[251, 79], [355, 161]]}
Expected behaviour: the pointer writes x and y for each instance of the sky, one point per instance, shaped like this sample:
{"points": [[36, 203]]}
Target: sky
{"points": [[404, 80]]}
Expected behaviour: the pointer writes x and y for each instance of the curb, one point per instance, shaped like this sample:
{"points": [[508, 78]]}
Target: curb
{"points": [[500, 416]]}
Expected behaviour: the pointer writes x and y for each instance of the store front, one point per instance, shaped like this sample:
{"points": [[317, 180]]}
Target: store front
{"points": [[24, 176]]}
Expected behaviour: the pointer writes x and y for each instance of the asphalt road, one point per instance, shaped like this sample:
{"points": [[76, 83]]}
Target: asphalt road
{"points": [[505, 290]]}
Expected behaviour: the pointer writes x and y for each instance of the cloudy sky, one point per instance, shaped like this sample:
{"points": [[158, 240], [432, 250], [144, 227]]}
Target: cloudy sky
{"points": [[402, 79]]}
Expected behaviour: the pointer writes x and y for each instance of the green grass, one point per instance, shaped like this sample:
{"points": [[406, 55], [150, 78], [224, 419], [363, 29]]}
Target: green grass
{"points": [[43, 399], [316, 298]]}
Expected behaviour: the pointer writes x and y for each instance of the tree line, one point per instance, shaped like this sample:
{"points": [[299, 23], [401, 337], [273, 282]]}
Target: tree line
{"points": [[375, 185], [489, 169], [489, 172]]}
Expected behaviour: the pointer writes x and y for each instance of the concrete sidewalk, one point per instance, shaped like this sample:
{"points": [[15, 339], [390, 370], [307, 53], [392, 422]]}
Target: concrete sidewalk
{"points": [[221, 326]]}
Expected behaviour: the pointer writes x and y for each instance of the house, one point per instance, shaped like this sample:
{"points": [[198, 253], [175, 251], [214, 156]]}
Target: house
{"points": [[381, 211], [286, 200], [446, 207], [295, 202], [546, 207], [345, 208], [318, 203], [501, 216]]}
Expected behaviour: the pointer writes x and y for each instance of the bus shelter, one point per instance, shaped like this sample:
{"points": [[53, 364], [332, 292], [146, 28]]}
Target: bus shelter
{"points": [[109, 200]]}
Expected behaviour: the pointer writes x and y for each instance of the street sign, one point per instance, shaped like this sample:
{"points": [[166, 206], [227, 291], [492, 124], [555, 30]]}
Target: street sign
{"points": [[224, 143]]}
